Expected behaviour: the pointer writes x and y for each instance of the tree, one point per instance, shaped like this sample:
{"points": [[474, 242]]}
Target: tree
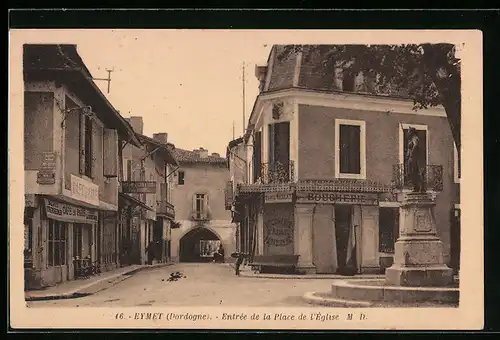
{"points": [[429, 73]]}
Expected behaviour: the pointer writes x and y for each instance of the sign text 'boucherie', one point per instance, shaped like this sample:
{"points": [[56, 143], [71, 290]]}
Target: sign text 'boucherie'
{"points": [[139, 187], [69, 213], [338, 197]]}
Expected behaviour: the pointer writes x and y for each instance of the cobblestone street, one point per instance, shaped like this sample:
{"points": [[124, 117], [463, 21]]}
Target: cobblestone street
{"points": [[206, 284]]}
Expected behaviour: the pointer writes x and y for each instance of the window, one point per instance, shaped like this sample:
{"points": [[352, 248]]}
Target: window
{"points": [[279, 153], [388, 229], [456, 165], [181, 178], [85, 130], [57, 243], [28, 242], [257, 155], [200, 206], [350, 142]]}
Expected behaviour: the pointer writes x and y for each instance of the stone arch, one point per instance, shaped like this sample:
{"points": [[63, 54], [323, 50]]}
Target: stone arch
{"points": [[190, 243]]}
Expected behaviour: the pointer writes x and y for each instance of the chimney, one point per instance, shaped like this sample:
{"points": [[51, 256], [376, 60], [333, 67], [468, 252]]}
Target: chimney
{"points": [[137, 124], [215, 154], [202, 152], [161, 137], [260, 74], [171, 146]]}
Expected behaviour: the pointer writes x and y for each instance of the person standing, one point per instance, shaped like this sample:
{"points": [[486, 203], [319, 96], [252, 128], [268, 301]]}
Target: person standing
{"points": [[239, 261]]}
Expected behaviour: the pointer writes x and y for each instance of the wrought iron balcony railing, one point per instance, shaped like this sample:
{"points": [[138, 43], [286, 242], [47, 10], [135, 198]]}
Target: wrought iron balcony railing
{"points": [[165, 208], [431, 178], [277, 173]]}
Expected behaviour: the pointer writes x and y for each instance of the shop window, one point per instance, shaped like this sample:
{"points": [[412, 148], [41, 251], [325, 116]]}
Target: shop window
{"points": [[28, 243], [388, 229], [57, 243], [350, 145], [180, 178]]}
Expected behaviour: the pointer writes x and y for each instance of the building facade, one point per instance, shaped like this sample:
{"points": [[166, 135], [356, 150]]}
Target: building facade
{"points": [[198, 194], [148, 178], [72, 168], [325, 162]]}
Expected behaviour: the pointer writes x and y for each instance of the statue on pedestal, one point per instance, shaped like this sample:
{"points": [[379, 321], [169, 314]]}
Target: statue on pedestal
{"points": [[413, 165]]}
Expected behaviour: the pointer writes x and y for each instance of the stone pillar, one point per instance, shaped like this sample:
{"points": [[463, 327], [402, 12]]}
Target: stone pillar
{"points": [[303, 242], [418, 257]]}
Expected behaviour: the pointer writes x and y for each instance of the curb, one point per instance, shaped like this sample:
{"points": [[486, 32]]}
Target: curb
{"points": [[313, 299], [90, 289]]}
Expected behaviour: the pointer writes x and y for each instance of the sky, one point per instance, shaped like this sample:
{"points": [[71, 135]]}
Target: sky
{"points": [[186, 83]]}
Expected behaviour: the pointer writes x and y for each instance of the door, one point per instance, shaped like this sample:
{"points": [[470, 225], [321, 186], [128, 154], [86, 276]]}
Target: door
{"points": [[343, 215]]}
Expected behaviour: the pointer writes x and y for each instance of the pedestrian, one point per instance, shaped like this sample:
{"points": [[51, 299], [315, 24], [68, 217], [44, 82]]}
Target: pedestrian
{"points": [[220, 254], [239, 261]]}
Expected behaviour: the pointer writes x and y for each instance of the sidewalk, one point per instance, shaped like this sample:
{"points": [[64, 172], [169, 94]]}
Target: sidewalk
{"points": [[246, 271], [77, 288]]}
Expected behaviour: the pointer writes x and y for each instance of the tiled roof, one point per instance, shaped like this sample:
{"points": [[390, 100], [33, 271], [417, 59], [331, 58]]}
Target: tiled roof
{"points": [[192, 157]]}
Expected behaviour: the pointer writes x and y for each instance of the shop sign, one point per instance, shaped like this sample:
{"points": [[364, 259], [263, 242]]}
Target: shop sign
{"points": [[47, 173], [139, 187], [337, 198], [279, 232], [69, 213], [278, 197], [84, 190]]}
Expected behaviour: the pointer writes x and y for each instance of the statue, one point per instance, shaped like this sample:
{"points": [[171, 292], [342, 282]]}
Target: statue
{"points": [[413, 166]]}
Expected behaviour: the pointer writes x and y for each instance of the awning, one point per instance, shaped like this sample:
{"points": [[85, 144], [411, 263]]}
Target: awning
{"points": [[134, 201]]}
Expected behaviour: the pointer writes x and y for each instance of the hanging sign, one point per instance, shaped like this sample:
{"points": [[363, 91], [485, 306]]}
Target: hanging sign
{"points": [[69, 213], [47, 173], [278, 197], [337, 198], [139, 187]]}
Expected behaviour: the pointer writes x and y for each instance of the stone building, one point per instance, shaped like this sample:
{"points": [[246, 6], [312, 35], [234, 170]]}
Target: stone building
{"points": [[148, 178], [325, 161], [72, 163], [198, 194]]}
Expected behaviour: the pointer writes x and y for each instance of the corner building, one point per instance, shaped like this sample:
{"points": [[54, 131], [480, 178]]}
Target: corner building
{"points": [[325, 164]]}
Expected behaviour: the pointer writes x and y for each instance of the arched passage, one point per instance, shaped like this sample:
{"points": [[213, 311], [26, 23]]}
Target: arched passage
{"points": [[198, 245]]}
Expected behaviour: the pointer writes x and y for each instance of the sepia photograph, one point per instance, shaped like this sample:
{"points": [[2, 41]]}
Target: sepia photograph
{"points": [[245, 179]]}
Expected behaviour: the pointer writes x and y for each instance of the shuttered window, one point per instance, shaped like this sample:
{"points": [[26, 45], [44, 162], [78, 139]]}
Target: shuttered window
{"points": [[86, 155], [350, 149], [257, 157]]}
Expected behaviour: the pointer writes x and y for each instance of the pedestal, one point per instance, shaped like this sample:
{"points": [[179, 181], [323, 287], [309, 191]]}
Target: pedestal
{"points": [[418, 256]]}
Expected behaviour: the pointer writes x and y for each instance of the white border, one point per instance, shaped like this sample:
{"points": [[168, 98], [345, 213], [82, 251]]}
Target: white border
{"points": [[362, 148]]}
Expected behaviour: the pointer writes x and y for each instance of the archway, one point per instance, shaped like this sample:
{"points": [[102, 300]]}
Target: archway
{"points": [[198, 245]]}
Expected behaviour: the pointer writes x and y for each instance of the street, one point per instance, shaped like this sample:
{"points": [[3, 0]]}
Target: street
{"points": [[206, 284]]}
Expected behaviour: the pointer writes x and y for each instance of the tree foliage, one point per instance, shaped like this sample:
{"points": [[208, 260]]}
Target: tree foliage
{"points": [[429, 73]]}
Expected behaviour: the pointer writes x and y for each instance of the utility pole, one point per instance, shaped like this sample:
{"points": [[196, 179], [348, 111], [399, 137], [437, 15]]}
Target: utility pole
{"points": [[243, 78], [233, 129], [108, 79]]}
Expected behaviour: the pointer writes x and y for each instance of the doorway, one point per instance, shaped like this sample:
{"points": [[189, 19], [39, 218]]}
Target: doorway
{"points": [[343, 226], [198, 245]]}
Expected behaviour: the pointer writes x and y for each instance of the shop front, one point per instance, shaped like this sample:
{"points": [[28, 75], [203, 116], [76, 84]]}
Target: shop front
{"points": [[61, 240]]}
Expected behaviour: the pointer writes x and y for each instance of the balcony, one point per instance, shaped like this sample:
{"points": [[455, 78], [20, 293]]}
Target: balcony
{"points": [[201, 216], [432, 178], [165, 208]]}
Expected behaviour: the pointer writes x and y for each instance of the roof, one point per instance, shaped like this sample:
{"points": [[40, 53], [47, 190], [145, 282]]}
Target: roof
{"points": [[192, 157], [168, 154], [61, 62]]}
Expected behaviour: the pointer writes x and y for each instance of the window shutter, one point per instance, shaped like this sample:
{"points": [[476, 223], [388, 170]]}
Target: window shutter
{"points": [[82, 143], [194, 205], [94, 148], [163, 192], [207, 211], [110, 150]]}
